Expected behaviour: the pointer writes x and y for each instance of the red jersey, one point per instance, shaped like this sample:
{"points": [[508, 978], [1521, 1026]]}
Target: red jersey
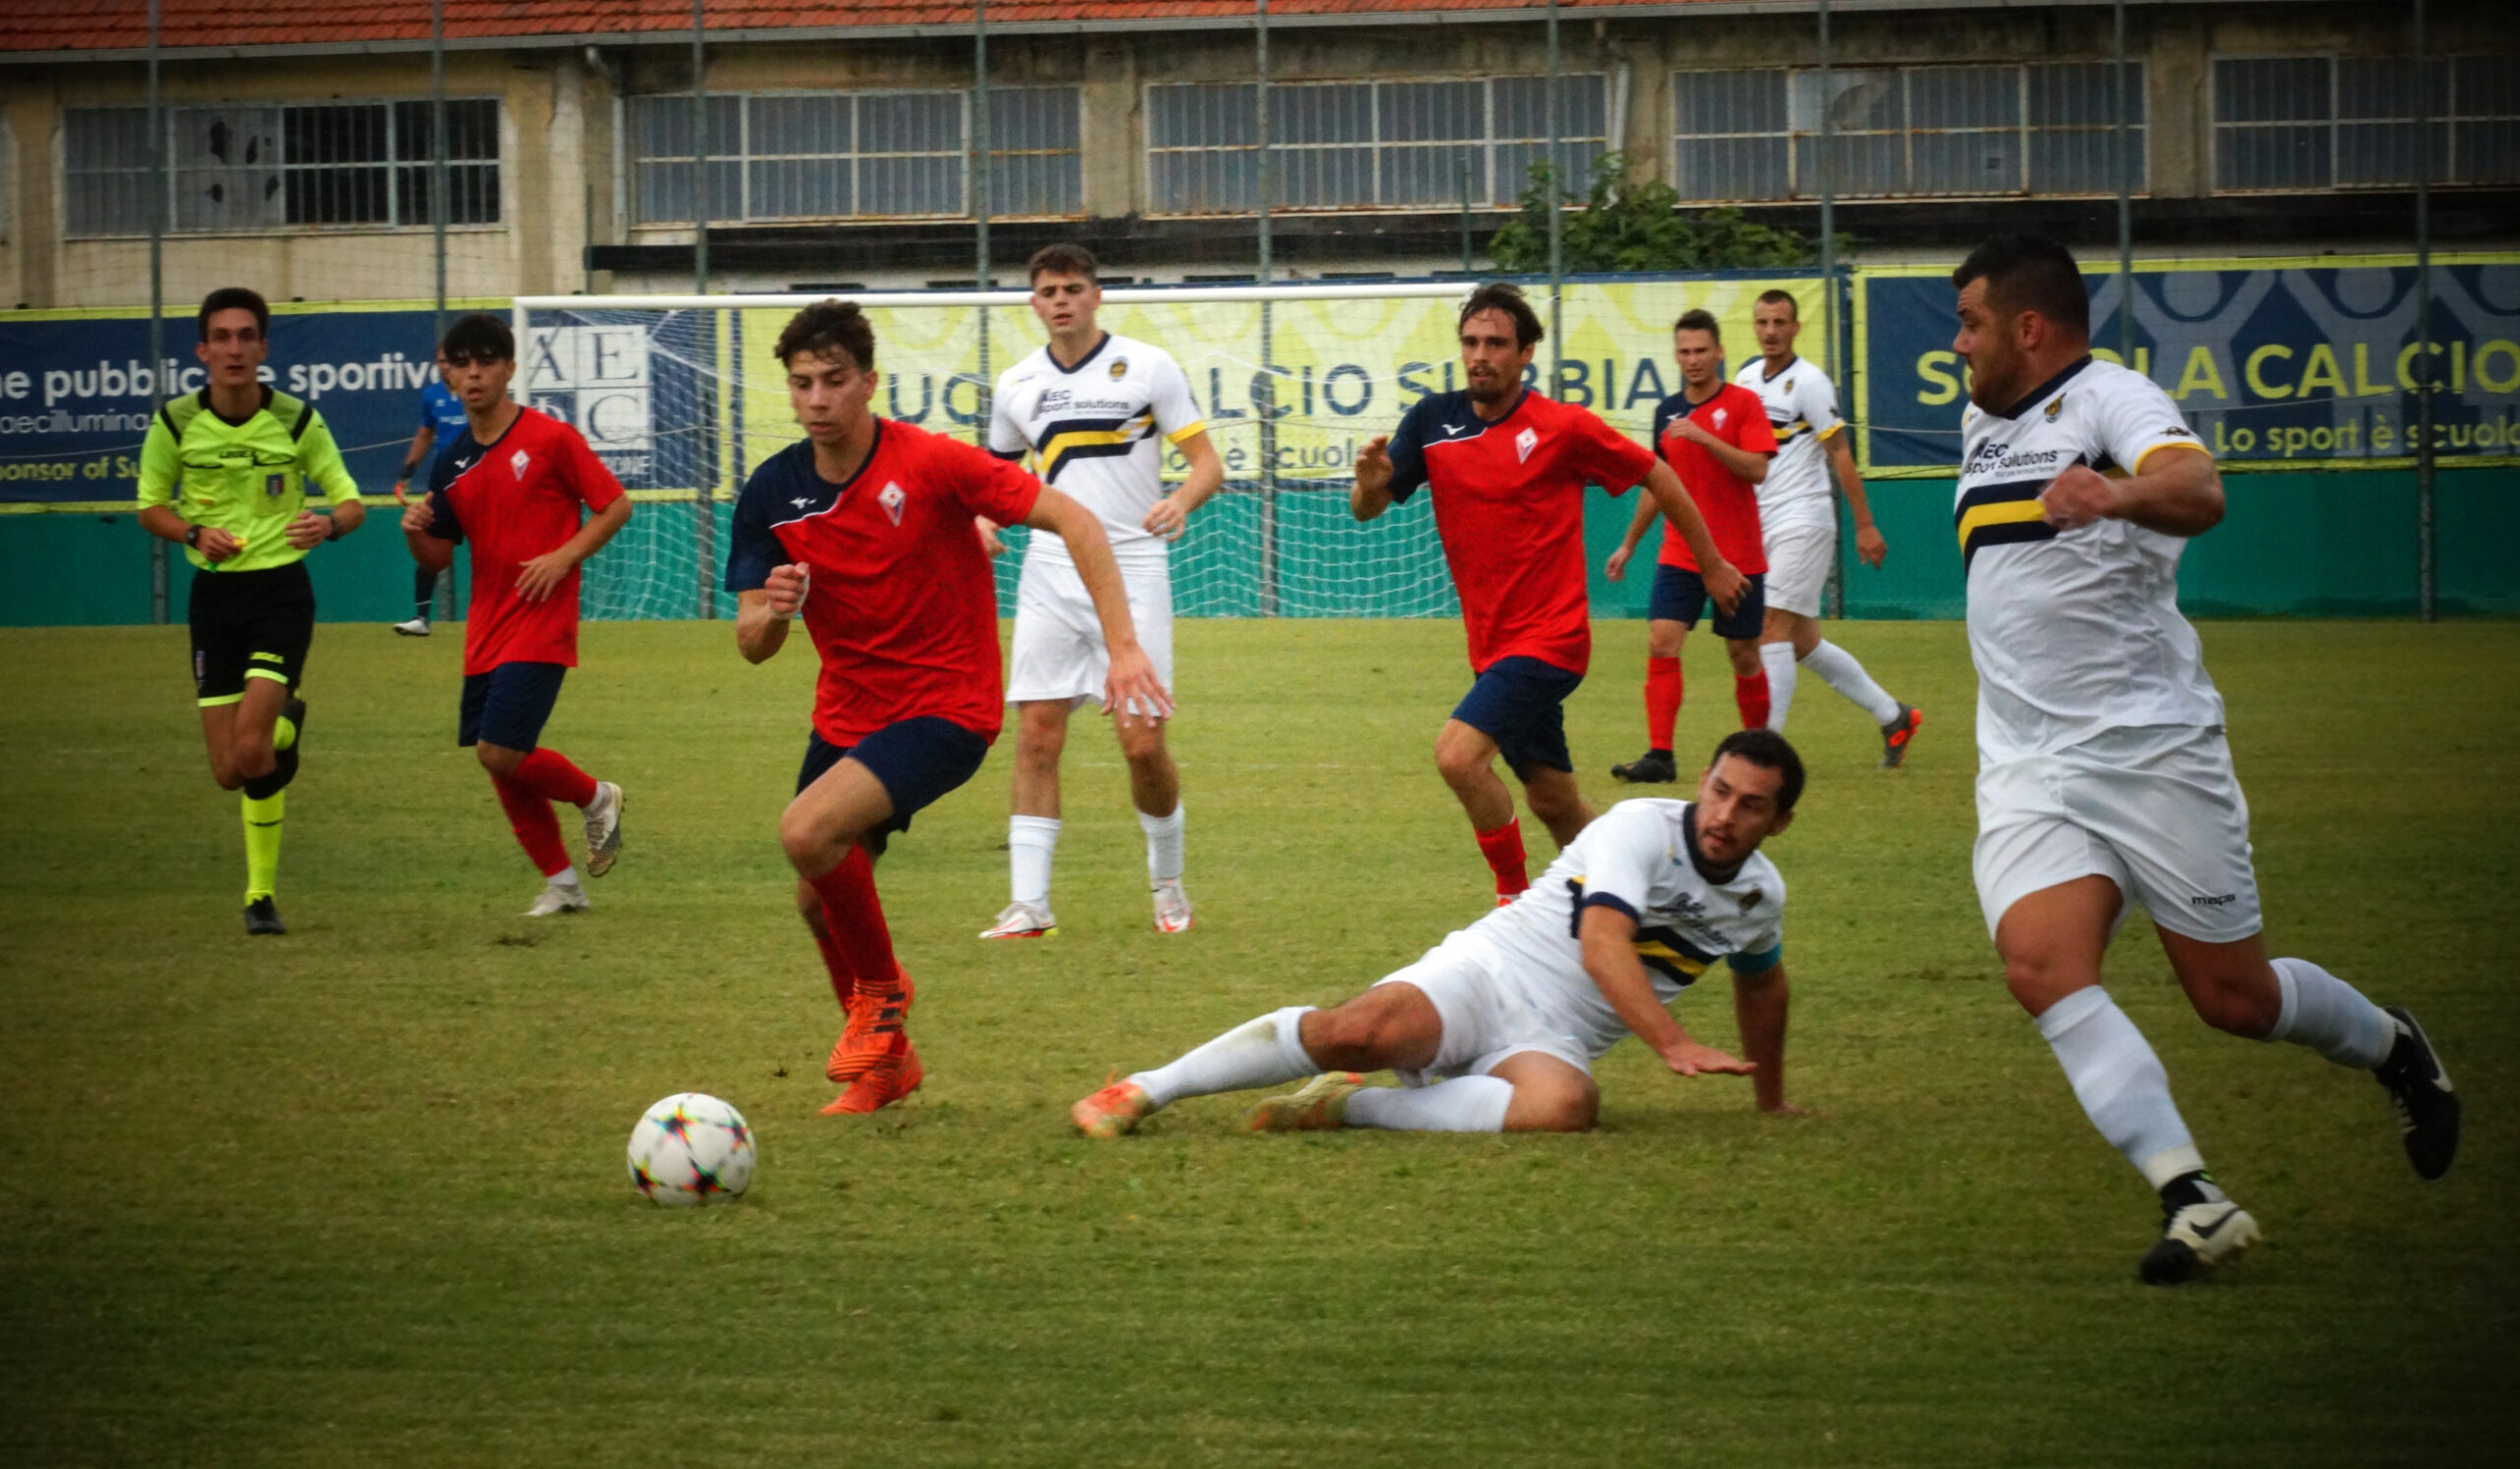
{"points": [[517, 500], [1728, 503], [1509, 506], [902, 605]]}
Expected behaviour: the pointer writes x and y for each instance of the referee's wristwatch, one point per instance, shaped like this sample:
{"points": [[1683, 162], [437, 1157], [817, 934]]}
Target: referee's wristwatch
{"points": [[192, 537]]}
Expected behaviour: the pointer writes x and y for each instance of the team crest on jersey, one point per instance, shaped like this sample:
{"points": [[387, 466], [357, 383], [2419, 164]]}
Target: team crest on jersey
{"points": [[1720, 415], [1789, 386], [892, 500], [1750, 900], [1524, 443], [1119, 368], [274, 486], [518, 461], [2055, 407]]}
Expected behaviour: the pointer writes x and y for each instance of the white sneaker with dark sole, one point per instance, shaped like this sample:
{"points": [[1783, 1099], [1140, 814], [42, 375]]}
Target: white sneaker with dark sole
{"points": [[559, 897], [2197, 1237], [417, 627], [604, 828]]}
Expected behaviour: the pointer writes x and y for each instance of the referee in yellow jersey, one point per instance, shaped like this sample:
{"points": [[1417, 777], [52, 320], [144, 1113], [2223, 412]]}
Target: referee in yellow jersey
{"points": [[227, 472]]}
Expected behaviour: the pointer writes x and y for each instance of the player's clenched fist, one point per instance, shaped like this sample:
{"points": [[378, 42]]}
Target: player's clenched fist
{"points": [[787, 587], [418, 517], [1726, 584], [2077, 498]]}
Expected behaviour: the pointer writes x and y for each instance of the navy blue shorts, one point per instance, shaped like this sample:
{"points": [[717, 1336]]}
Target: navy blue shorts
{"points": [[918, 760], [1521, 704], [1679, 596], [509, 705]]}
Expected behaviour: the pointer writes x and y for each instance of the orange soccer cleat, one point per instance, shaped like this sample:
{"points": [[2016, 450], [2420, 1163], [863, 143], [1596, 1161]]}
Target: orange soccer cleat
{"points": [[874, 1032], [881, 1085], [1112, 1110]]}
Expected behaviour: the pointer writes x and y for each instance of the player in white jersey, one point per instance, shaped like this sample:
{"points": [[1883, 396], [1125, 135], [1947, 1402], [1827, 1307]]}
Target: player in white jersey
{"points": [[1497, 1027], [1800, 523], [2103, 773], [1094, 411]]}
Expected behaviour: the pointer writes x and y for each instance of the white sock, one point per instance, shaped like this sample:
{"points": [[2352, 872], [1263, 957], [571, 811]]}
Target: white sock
{"points": [[1164, 843], [1466, 1104], [1838, 669], [1256, 1052], [1778, 659], [1030, 843], [566, 877], [2120, 1084], [2330, 1016]]}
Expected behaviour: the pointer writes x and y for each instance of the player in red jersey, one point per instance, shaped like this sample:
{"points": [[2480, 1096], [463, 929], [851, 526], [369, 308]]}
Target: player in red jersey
{"points": [[1506, 471], [1716, 435], [865, 528], [514, 486]]}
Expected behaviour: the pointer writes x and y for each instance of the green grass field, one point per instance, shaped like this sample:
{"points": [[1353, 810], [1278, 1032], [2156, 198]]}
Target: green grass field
{"points": [[357, 1195]]}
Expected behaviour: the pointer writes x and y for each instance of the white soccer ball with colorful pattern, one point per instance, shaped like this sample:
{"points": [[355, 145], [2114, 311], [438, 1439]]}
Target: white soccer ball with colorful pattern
{"points": [[691, 1148]]}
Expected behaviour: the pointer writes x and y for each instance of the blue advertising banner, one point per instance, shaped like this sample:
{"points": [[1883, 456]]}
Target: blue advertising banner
{"points": [[75, 393], [2295, 365]]}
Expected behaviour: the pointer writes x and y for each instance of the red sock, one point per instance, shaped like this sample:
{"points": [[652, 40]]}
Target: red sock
{"points": [[548, 773], [856, 918], [1503, 849], [843, 974], [1751, 694], [537, 830], [1662, 701]]}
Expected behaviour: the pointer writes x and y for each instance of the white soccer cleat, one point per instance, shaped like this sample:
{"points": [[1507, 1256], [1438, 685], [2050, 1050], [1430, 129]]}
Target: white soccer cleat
{"points": [[1318, 1106], [2197, 1237], [417, 627], [1022, 921], [1171, 908], [559, 897], [604, 828]]}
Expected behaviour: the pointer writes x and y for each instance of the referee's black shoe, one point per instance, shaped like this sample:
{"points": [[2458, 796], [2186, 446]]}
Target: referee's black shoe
{"points": [[2427, 1106], [1654, 767], [262, 918]]}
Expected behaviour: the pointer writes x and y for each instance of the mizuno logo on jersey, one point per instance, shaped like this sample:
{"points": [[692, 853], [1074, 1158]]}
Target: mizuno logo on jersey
{"points": [[1453, 430], [2007, 514], [801, 501]]}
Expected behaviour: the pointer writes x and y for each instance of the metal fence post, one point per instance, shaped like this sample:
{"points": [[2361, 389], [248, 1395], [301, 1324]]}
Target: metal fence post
{"points": [[1834, 594], [2426, 585], [1267, 406], [440, 208], [978, 172], [159, 570], [1557, 218]]}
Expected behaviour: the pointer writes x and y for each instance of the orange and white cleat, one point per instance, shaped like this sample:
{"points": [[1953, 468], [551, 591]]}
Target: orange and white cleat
{"points": [[1112, 1110], [1896, 734], [1022, 920], [1171, 908], [1318, 1106], [874, 1032], [881, 1085]]}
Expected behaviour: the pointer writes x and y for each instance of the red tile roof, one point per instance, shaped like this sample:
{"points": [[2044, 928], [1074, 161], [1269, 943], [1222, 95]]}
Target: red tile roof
{"points": [[58, 26]]}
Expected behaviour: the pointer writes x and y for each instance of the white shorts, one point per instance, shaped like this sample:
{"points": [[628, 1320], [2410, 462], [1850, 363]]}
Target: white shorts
{"points": [[2158, 811], [1058, 649], [1798, 562], [1486, 1016]]}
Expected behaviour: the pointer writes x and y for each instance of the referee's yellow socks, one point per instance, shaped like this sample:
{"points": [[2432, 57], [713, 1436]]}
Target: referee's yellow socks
{"points": [[262, 843]]}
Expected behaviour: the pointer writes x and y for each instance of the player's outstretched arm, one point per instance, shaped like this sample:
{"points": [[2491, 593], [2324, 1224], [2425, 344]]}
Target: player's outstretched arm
{"points": [[1723, 580], [762, 613], [1759, 1003], [2180, 493], [1608, 938], [1132, 693], [1869, 545], [1371, 495]]}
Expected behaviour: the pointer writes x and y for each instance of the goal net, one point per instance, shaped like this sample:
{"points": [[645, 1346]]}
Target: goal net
{"points": [[682, 396]]}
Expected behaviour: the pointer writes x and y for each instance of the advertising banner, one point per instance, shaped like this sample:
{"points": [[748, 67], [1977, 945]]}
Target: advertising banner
{"points": [[2297, 365]]}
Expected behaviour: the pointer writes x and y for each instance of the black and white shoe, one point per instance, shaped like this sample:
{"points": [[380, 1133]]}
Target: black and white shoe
{"points": [[1654, 767], [262, 918], [417, 627], [2197, 1237], [2427, 1106]]}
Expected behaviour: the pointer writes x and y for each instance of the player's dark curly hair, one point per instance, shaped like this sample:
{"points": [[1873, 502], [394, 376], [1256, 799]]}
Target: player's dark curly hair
{"points": [[236, 298], [1064, 259], [1699, 319], [1505, 297], [2028, 273], [478, 336], [1767, 749], [828, 329]]}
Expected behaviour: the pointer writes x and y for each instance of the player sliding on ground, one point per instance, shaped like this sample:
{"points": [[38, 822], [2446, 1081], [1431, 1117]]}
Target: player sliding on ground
{"points": [[865, 528], [1497, 1027], [514, 486], [2104, 777], [225, 472], [1506, 469], [1095, 411]]}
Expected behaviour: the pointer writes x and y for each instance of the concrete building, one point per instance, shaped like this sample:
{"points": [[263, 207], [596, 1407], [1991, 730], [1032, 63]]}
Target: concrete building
{"points": [[838, 152]]}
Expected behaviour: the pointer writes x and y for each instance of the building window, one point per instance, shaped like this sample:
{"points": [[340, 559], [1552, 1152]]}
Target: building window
{"points": [[1907, 132], [2333, 122], [271, 168], [861, 154], [1365, 145]]}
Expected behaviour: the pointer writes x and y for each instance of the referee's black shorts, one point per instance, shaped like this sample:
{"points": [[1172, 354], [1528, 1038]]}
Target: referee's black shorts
{"points": [[250, 625]]}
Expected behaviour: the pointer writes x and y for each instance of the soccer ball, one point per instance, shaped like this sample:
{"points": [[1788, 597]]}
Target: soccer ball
{"points": [[691, 1149]]}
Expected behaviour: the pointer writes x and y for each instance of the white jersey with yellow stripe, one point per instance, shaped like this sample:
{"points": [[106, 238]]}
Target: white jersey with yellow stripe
{"points": [[1640, 858], [2076, 632], [1802, 410], [1096, 431]]}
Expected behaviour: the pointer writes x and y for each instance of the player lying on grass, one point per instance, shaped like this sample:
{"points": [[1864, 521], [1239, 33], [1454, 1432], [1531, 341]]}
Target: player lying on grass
{"points": [[514, 484], [225, 472], [1497, 1027], [1505, 468], [864, 529], [2103, 776]]}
